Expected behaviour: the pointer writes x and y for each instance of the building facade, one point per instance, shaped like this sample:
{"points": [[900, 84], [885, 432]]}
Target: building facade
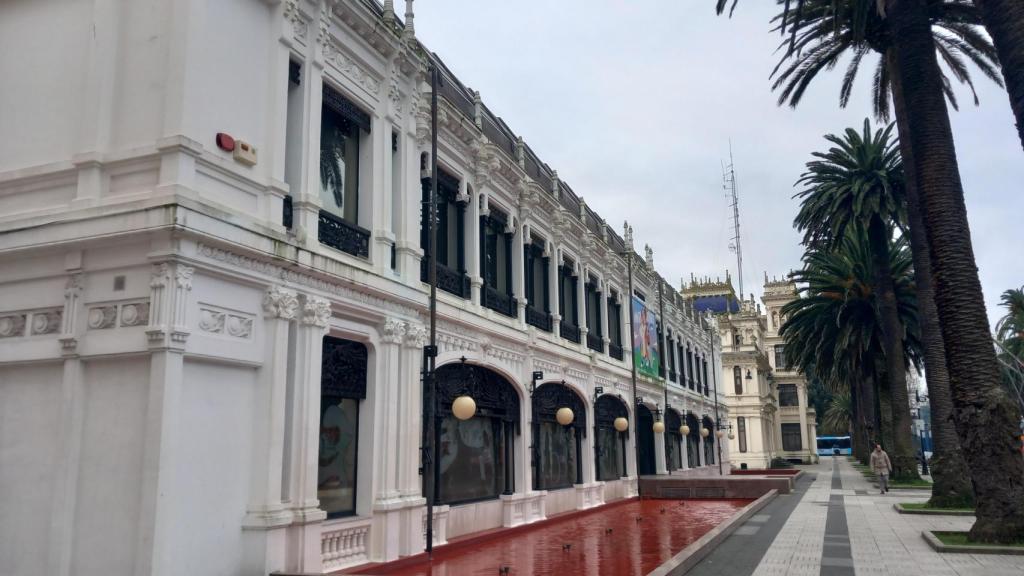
{"points": [[769, 410], [213, 311]]}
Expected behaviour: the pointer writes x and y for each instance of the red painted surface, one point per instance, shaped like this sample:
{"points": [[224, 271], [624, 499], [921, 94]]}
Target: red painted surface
{"points": [[632, 547], [765, 471]]}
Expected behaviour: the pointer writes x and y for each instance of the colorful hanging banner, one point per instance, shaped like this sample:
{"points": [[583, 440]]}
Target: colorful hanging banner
{"points": [[646, 355]]}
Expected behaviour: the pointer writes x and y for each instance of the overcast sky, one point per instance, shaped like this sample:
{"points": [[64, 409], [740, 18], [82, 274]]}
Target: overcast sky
{"points": [[634, 103]]}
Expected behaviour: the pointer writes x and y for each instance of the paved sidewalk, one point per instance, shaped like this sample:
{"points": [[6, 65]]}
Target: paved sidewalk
{"points": [[843, 526]]}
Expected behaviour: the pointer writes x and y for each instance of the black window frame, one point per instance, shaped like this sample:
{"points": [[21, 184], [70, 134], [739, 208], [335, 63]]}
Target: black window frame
{"points": [[741, 432], [343, 374], [792, 395]]}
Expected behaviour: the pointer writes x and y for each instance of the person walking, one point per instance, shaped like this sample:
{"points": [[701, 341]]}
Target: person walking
{"points": [[881, 466]]}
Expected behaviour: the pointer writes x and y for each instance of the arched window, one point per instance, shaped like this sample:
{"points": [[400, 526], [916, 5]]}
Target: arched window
{"points": [[609, 443], [693, 441], [558, 448], [673, 440], [342, 388], [737, 380], [475, 456]]}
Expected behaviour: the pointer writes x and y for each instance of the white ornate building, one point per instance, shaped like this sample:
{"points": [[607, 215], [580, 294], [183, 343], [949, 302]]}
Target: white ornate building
{"points": [[212, 312], [769, 410]]}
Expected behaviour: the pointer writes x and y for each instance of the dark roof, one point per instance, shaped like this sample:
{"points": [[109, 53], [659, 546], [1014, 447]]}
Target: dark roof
{"points": [[717, 304]]}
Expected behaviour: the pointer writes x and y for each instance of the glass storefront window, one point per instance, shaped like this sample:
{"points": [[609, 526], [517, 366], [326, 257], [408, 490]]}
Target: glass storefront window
{"points": [[471, 464], [557, 454], [336, 475]]}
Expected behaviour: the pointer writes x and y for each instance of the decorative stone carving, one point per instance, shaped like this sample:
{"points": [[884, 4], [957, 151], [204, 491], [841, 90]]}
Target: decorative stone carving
{"points": [[47, 322], [392, 331], [316, 311], [238, 326], [135, 314], [280, 303], [293, 16], [335, 56], [211, 320], [416, 335], [12, 325], [102, 317], [272, 270]]}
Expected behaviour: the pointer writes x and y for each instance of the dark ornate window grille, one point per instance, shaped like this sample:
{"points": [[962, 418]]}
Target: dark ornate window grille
{"points": [[339, 234], [451, 281], [673, 440], [569, 331], [539, 319], [547, 400], [615, 351], [499, 302], [490, 431], [595, 342]]}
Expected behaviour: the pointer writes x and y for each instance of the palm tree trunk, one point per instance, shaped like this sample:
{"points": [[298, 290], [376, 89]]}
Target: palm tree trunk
{"points": [[859, 447], [1004, 20], [952, 485], [869, 411], [986, 420], [904, 462]]}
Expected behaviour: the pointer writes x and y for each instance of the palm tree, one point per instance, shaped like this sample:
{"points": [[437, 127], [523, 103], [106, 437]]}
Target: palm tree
{"points": [[1004, 20], [986, 419], [859, 183], [1010, 328], [833, 331], [826, 30], [839, 413]]}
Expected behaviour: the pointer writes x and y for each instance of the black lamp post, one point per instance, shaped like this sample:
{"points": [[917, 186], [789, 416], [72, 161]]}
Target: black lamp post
{"points": [[428, 442]]}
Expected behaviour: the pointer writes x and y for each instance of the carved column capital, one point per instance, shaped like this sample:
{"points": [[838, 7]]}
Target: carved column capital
{"points": [[316, 311], [392, 331], [415, 335], [279, 302]]}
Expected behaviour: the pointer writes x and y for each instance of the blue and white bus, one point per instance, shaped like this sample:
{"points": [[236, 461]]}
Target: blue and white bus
{"points": [[834, 445]]}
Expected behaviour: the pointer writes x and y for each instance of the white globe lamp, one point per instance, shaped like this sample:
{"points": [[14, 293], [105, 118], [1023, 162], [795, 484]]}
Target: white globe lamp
{"points": [[684, 430], [659, 427], [464, 407], [704, 432], [564, 416], [621, 424]]}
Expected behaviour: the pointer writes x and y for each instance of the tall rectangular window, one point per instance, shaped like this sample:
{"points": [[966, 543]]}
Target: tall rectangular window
{"points": [[788, 395], [741, 432], [342, 388], [340, 135], [780, 357], [567, 299], [791, 437]]}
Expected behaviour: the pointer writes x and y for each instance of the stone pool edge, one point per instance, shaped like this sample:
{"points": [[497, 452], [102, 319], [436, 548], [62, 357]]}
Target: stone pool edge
{"points": [[688, 557]]}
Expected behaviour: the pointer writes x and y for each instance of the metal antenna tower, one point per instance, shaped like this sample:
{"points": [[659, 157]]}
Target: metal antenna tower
{"points": [[729, 184]]}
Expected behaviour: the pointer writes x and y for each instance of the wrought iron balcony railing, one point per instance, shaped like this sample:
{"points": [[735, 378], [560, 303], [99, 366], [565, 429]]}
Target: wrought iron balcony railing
{"points": [[500, 302], [538, 318], [615, 351], [451, 281], [344, 236], [569, 331], [595, 342]]}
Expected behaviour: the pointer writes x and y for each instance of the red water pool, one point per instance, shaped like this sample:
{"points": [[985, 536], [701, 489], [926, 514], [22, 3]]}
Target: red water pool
{"points": [[631, 547]]}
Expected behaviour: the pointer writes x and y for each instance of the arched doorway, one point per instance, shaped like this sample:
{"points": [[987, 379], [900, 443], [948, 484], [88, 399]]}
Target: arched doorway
{"points": [[558, 448], [709, 442], [475, 456], [693, 441], [645, 440], [609, 443], [673, 440]]}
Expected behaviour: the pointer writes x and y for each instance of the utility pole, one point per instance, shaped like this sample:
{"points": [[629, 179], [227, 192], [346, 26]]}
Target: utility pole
{"points": [[729, 184], [429, 441]]}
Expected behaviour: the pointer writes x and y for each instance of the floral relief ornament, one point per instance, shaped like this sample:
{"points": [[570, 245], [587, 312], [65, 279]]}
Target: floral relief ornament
{"points": [[392, 331]]}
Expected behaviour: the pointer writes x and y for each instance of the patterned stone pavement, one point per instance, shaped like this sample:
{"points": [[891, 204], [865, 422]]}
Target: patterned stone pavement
{"points": [[843, 526]]}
